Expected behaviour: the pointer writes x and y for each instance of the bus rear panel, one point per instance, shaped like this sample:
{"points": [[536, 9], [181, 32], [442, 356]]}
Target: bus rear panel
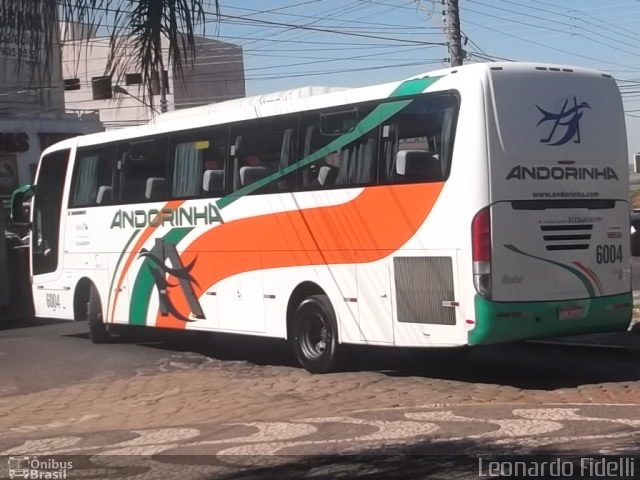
{"points": [[551, 251]]}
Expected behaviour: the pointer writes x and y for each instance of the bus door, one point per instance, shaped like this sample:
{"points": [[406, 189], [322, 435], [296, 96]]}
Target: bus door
{"points": [[52, 296]]}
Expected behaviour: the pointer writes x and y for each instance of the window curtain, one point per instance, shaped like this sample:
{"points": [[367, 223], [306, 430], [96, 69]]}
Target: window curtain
{"points": [[86, 184], [286, 152], [446, 140], [306, 173], [365, 164], [187, 171], [390, 150]]}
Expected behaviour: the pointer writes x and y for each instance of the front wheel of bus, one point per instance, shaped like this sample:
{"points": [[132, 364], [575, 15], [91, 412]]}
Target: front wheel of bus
{"points": [[97, 329], [315, 334]]}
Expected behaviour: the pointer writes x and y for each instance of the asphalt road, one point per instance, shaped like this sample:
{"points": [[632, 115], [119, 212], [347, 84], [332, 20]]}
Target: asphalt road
{"points": [[38, 354]]}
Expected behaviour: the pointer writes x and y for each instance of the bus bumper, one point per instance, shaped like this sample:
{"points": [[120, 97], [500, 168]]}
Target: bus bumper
{"points": [[500, 322]]}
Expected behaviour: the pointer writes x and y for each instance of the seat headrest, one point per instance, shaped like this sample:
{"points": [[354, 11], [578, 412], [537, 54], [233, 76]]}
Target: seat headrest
{"points": [[213, 181], [105, 195], [327, 175], [248, 175], [155, 189], [418, 165]]}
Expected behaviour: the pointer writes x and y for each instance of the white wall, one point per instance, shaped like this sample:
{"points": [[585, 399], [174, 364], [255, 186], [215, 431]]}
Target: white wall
{"points": [[87, 61]]}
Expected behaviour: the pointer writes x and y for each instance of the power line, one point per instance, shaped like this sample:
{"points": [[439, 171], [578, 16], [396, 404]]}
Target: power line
{"points": [[533, 42], [478, 12]]}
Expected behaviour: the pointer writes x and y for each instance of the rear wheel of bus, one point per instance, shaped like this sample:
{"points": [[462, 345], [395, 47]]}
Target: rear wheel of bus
{"points": [[314, 334], [98, 331]]}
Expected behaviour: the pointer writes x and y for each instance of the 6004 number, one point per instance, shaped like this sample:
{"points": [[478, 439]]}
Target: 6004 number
{"points": [[53, 300], [608, 253]]}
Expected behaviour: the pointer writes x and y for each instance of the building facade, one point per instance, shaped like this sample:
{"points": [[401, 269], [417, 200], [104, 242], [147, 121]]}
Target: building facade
{"points": [[217, 74], [32, 105]]}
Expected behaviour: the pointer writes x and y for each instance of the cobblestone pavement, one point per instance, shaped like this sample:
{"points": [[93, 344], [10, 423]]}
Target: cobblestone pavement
{"points": [[242, 403], [245, 449], [198, 389]]}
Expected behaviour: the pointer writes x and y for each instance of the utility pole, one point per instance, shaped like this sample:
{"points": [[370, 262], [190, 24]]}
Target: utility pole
{"points": [[163, 92], [453, 31], [159, 71]]}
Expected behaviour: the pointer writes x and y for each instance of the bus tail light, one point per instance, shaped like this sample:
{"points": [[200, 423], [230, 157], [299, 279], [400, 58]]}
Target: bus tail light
{"points": [[481, 251]]}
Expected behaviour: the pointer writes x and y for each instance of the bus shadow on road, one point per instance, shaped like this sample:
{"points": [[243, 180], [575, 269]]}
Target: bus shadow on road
{"points": [[522, 365], [527, 366], [216, 346], [13, 323]]}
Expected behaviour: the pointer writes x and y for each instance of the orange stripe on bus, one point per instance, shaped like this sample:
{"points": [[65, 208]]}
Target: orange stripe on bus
{"points": [[134, 251], [370, 227]]}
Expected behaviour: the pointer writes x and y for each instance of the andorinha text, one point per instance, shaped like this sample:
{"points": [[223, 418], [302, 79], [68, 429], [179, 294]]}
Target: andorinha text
{"points": [[174, 217], [562, 173]]}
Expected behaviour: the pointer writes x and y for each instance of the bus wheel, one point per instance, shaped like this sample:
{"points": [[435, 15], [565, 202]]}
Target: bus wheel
{"points": [[97, 329], [315, 334]]}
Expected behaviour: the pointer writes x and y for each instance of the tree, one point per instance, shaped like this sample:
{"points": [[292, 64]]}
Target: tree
{"points": [[138, 25]]}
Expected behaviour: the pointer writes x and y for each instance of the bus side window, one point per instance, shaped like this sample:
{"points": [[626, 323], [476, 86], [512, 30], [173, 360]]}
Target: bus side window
{"points": [[93, 177], [264, 148], [417, 141], [145, 171], [349, 165], [198, 164]]}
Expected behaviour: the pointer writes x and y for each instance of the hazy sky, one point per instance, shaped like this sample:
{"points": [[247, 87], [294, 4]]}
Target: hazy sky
{"points": [[360, 42]]}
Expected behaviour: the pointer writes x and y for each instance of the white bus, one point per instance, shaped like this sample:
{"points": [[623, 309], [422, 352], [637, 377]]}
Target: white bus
{"points": [[461, 207]]}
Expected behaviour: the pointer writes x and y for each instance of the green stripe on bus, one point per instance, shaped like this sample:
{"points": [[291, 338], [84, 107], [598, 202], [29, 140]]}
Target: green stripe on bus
{"points": [[495, 321], [115, 272], [144, 284], [583, 278], [379, 115]]}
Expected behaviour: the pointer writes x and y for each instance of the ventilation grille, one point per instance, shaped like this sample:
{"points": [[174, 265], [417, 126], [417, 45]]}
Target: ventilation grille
{"points": [[422, 284], [567, 237]]}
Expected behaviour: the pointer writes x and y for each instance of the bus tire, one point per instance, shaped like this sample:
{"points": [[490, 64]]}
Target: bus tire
{"points": [[98, 332], [314, 334]]}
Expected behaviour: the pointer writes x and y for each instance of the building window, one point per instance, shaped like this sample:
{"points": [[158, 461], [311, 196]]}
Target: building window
{"points": [[101, 87], [133, 78], [72, 84]]}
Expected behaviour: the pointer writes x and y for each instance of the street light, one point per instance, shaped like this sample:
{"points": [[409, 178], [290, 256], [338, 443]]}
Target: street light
{"points": [[123, 91]]}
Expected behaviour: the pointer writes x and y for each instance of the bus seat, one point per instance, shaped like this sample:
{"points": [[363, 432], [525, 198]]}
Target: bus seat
{"points": [[213, 181], [418, 165], [248, 175], [327, 175], [156, 189], [105, 195]]}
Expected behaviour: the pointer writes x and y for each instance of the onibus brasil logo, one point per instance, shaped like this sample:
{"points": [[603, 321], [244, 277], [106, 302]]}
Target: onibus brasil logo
{"points": [[35, 468], [566, 123]]}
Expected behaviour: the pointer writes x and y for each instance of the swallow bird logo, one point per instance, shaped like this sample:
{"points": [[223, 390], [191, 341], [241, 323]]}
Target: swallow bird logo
{"points": [[158, 257], [566, 123]]}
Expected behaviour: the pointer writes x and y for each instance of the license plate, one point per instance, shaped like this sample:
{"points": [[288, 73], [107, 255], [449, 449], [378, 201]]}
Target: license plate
{"points": [[569, 313]]}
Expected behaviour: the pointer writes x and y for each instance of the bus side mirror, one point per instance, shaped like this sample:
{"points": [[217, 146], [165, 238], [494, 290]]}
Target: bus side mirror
{"points": [[20, 214]]}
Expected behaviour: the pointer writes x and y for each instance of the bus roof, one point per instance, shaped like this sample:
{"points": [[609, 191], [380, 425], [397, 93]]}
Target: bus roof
{"points": [[288, 101]]}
